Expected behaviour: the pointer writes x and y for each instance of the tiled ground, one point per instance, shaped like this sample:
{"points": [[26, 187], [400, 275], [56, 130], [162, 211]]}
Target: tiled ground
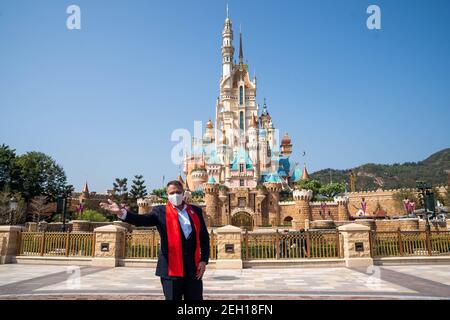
{"points": [[396, 282]]}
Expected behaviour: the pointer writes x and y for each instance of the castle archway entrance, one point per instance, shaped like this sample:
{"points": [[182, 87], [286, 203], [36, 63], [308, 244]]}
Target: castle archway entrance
{"points": [[242, 218]]}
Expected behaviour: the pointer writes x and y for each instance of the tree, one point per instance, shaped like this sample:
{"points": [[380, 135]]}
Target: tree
{"points": [[39, 207], [313, 185], [199, 194], [120, 191], [331, 190], [286, 195], [39, 175], [138, 189], [8, 168]]}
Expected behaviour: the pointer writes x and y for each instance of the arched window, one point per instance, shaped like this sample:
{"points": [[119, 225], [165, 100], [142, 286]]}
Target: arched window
{"points": [[241, 120], [241, 95]]}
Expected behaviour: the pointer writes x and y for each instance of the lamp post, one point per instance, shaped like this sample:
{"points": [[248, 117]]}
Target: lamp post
{"points": [[12, 207], [423, 190], [62, 208]]}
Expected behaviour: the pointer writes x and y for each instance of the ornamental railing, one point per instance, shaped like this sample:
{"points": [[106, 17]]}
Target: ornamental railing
{"points": [[410, 243], [291, 245], [57, 244], [142, 245], [146, 245]]}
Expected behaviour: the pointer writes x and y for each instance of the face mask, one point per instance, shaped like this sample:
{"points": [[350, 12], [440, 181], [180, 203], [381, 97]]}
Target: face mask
{"points": [[176, 199]]}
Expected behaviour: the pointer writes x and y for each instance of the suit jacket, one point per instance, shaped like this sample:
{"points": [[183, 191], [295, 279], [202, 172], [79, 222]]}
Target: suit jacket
{"points": [[158, 218]]}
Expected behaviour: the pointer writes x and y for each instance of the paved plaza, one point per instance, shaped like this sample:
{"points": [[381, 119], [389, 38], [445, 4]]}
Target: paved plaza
{"points": [[23, 281]]}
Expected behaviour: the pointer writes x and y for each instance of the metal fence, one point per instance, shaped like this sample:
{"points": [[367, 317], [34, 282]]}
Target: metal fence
{"points": [[410, 243], [291, 245], [57, 244], [142, 245], [268, 245], [146, 245]]}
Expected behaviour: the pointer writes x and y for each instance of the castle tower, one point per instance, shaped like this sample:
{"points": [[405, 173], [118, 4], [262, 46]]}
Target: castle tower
{"points": [[227, 47], [199, 176], [343, 213], [264, 159], [260, 197], [286, 146], [224, 204], [273, 198], [302, 200], [265, 116], [212, 210], [209, 135]]}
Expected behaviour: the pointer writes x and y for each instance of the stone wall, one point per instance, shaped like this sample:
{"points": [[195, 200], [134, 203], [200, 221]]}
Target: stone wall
{"points": [[434, 225], [382, 197], [382, 225], [394, 225]]}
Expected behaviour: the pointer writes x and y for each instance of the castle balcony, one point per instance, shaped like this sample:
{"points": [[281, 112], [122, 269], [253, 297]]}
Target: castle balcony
{"points": [[237, 174]]}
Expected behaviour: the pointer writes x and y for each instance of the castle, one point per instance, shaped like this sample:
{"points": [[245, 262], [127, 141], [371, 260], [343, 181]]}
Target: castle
{"points": [[240, 163], [241, 166], [241, 148]]}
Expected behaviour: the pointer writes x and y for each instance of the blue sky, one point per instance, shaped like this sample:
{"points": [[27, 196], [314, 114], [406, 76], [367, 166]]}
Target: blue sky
{"points": [[104, 100]]}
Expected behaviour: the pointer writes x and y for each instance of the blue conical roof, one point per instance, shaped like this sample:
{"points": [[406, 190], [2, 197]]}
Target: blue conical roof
{"points": [[211, 180]]}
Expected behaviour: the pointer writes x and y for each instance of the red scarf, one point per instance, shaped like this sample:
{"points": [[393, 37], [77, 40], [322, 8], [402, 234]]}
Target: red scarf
{"points": [[174, 240]]}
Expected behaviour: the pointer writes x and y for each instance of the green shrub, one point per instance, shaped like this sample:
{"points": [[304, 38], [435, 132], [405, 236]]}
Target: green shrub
{"points": [[92, 215]]}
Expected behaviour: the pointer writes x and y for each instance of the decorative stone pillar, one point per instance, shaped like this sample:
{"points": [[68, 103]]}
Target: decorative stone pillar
{"points": [[273, 199], [109, 245], [212, 202], [128, 227], [32, 226], [229, 240], [144, 206], [343, 214], [302, 208], [356, 245], [9, 243]]}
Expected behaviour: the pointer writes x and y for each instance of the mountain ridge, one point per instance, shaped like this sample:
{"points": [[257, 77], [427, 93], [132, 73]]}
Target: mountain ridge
{"points": [[435, 170]]}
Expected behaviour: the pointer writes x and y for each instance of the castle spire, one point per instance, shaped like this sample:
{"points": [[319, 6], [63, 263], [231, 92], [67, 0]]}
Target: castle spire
{"points": [[241, 54], [305, 175], [265, 108], [86, 189]]}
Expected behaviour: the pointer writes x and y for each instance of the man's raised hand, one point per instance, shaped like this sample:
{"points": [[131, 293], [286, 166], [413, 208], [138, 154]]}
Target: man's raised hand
{"points": [[112, 207]]}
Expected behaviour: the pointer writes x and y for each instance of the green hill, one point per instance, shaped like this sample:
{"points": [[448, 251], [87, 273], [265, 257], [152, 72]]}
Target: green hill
{"points": [[435, 170]]}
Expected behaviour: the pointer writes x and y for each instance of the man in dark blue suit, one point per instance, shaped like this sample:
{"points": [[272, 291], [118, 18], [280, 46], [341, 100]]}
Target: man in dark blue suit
{"points": [[184, 237]]}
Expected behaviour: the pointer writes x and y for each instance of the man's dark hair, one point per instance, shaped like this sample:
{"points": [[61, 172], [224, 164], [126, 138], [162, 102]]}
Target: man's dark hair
{"points": [[175, 183]]}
